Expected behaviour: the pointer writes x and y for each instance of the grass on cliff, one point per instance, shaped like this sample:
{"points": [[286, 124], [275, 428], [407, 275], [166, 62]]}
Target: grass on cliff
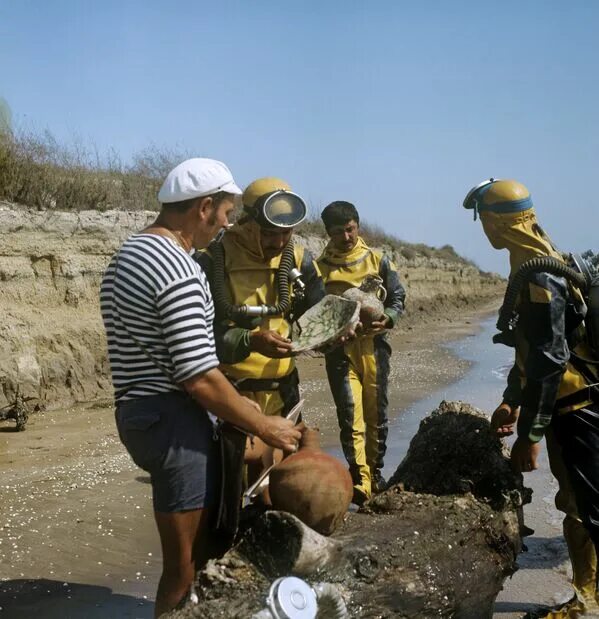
{"points": [[38, 171]]}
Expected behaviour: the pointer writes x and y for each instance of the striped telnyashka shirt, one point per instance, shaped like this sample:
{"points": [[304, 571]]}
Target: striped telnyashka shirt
{"points": [[158, 313]]}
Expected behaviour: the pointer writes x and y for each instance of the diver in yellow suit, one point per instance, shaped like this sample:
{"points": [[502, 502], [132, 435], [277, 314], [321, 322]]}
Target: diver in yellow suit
{"points": [[358, 371], [260, 281], [552, 389]]}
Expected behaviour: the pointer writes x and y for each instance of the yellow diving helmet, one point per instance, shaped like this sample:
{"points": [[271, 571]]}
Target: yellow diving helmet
{"points": [[272, 204], [498, 196]]}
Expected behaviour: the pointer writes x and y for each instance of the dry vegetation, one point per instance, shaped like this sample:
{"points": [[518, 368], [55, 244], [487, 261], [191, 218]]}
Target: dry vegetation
{"points": [[38, 171]]}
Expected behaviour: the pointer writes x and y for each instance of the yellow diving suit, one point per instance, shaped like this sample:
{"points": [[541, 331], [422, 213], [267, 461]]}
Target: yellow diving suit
{"points": [[251, 279], [551, 387], [358, 371]]}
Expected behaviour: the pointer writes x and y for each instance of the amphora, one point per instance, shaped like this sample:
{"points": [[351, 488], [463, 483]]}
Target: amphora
{"points": [[312, 485], [371, 295]]}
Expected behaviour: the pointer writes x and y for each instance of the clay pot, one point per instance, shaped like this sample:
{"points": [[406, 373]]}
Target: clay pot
{"points": [[370, 295], [312, 485]]}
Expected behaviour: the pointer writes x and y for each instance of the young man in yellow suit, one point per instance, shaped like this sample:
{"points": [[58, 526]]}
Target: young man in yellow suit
{"points": [[358, 371]]}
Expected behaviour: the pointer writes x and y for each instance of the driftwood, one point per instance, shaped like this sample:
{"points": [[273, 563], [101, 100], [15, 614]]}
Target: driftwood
{"points": [[19, 411], [438, 543]]}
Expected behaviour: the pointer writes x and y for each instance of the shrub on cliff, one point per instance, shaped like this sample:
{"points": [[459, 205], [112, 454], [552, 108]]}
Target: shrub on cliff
{"points": [[37, 171]]}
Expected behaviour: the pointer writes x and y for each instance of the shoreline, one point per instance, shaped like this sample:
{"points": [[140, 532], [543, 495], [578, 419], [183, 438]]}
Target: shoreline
{"points": [[93, 550]]}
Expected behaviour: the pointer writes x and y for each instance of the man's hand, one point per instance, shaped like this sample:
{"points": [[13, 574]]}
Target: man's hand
{"points": [[351, 334], [270, 344], [378, 326], [524, 455], [279, 432], [503, 419]]}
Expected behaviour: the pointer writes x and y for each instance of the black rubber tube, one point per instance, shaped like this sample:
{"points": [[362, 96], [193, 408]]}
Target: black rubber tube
{"points": [[232, 312], [543, 264]]}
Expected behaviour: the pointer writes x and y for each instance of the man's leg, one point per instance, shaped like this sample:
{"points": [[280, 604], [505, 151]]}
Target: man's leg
{"points": [[580, 547], [270, 403], [578, 436], [375, 384], [175, 445], [258, 455], [181, 537], [346, 388]]}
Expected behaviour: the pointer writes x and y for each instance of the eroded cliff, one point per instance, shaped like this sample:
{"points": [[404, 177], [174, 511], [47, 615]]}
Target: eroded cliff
{"points": [[52, 345]]}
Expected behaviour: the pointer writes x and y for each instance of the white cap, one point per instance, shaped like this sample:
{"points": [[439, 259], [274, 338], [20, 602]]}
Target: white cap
{"points": [[196, 178]]}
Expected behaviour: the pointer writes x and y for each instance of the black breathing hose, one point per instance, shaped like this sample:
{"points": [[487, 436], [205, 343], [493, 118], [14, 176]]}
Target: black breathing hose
{"points": [[227, 310], [544, 264]]}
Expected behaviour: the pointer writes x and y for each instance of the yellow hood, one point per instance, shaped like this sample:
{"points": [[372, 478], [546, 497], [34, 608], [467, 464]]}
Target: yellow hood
{"points": [[335, 257], [520, 234], [343, 270], [245, 237]]}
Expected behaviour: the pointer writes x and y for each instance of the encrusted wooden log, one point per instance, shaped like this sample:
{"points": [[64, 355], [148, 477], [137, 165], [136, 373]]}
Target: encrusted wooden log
{"points": [[438, 543]]}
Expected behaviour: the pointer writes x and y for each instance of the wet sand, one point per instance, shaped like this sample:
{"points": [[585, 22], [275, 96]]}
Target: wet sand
{"points": [[77, 536]]}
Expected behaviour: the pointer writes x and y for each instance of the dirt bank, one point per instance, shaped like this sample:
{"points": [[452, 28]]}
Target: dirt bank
{"points": [[76, 530], [51, 339]]}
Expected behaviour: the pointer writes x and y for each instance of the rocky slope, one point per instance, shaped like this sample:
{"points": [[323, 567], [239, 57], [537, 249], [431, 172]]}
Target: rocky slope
{"points": [[52, 344]]}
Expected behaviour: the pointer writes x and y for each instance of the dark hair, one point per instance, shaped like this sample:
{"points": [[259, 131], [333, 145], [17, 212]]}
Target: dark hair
{"points": [[185, 205], [339, 213]]}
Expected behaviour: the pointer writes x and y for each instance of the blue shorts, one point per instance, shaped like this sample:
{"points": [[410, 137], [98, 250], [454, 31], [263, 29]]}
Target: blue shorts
{"points": [[171, 437]]}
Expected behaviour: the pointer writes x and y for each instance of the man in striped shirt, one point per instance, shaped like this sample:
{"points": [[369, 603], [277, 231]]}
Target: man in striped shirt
{"points": [[158, 313]]}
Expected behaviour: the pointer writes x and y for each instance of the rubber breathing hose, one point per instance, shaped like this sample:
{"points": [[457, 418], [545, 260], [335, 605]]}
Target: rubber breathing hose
{"points": [[542, 264], [233, 312]]}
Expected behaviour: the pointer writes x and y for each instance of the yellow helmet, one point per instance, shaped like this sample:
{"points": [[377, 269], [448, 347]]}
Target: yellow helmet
{"points": [[498, 196], [261, 187], [272, 203]]}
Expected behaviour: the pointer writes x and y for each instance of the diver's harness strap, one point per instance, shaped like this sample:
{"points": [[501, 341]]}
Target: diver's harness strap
{"points": [[265, 384], [579, 397], [257, 384]]}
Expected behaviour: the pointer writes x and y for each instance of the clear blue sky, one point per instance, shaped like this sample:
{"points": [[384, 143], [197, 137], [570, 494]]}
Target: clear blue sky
{"points": [[399, 107]]}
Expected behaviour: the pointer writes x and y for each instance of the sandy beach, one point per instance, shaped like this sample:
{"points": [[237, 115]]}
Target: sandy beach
{"points": [[77, 534]]}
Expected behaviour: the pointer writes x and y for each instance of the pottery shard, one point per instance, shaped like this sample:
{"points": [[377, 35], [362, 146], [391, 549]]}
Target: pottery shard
{"points": [[313, 486]]}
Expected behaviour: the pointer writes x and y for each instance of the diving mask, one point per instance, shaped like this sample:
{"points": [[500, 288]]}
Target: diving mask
{"points": [[279, 209], [474, 196]]}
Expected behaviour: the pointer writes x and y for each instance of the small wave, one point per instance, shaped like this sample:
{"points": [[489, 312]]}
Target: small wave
{"points": [[502, 371]]}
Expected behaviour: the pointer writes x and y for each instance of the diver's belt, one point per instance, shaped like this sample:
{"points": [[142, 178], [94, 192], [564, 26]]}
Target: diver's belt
{"points": [[264, 384], [584, 396]]}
